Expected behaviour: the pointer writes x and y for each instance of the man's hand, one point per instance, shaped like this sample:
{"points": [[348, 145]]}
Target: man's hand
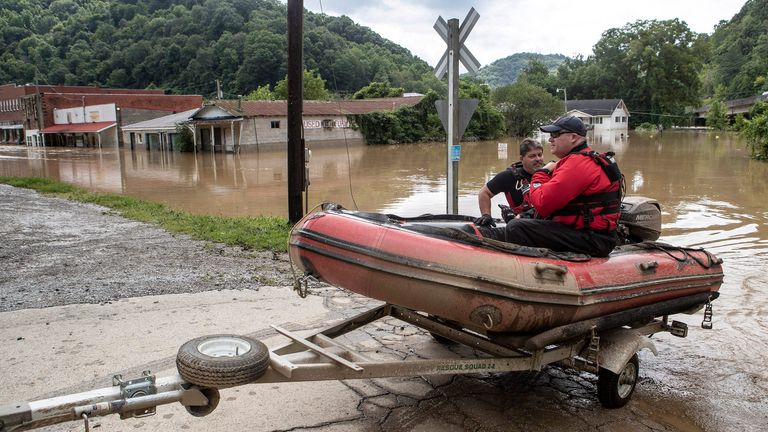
{"points": [[506, 213], [550, 166], [485, 220]]}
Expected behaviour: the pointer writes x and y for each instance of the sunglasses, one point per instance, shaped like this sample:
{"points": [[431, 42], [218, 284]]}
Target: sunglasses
{"points": [[557, 134]]}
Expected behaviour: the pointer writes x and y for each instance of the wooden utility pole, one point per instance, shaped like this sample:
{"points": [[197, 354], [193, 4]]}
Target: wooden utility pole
{"points": [[295, 109]]}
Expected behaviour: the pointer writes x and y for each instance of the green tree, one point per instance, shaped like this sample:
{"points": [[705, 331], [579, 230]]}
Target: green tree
{"points": [[755, 130], [378, 90], [654, 66], [717, 117], [185, 141], [314, 87], [185, 46], [525, 107], [537, 73], [261, 93], [487, 122], [740, 52]]}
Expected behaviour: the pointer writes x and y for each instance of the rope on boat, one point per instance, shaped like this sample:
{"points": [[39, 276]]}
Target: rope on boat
{"points": [[685, 252], [300, 284]]}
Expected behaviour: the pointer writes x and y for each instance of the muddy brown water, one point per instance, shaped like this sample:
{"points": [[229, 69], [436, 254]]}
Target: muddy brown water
{"points": [[712, 195]]}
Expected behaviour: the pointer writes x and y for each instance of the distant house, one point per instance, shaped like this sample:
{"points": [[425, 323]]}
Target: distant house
{"points": [[156, 134], [235, 125], [602, 115]]}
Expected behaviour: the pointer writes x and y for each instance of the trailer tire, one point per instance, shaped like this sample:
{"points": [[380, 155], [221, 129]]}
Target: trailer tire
{"points": [[213, 396], [221, 361], [614, 390]]}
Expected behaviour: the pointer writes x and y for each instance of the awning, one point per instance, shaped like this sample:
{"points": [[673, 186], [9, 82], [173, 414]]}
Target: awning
{"points": [[78, 127], [13, 126]]}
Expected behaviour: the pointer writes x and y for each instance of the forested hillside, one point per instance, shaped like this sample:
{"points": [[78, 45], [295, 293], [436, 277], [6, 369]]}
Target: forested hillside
{"points": [[739, 63], [505, 71], [186, 45]]}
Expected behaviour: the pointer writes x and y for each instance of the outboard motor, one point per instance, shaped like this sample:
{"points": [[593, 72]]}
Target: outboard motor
{"points": [[640, 220]]}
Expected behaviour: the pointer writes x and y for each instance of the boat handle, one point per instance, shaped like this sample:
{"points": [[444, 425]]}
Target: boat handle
{"points": [[556, 269], [649, 265]]}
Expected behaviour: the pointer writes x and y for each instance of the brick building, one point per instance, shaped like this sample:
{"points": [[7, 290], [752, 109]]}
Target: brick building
{"points": [[11, 114], [85, 116]]}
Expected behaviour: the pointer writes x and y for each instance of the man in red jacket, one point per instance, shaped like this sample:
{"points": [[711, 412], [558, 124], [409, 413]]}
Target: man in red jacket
{"points": [[577, 199]]}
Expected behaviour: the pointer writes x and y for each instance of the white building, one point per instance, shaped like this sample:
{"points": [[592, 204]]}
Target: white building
{"points": [[602, 115]]}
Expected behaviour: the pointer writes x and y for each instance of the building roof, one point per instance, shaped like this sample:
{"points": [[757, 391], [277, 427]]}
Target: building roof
{"points": [[596, 107], [318, 108], [79, 127], [164, 122]]}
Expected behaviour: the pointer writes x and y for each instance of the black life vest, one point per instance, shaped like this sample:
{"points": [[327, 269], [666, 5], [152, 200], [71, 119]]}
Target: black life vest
{"points": [[516, 197]]}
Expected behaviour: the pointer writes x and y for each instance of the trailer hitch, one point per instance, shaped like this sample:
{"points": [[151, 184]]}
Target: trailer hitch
{"points": [[133, 398], [143, 386]]}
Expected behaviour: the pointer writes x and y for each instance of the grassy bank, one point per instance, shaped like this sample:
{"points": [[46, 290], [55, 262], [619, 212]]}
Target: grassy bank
{"points": [[260, 233]]}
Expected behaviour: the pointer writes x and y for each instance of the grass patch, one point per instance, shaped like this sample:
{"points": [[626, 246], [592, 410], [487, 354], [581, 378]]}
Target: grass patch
{"points": [[259, 233]]}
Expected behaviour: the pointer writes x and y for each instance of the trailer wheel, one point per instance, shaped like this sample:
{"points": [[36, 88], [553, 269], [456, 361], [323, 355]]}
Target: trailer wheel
{"points": [[221, 361], [213, 401], [614, 390]]}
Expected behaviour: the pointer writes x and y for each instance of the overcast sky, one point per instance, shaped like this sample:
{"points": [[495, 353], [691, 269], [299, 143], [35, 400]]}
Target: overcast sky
{"points": [[506, 27]]}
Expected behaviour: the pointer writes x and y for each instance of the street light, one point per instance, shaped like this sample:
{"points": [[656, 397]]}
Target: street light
{"points": [[565, 99]]}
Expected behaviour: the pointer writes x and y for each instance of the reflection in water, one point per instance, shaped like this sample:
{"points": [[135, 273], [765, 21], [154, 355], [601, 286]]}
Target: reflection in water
{"points": [[712, 196]]}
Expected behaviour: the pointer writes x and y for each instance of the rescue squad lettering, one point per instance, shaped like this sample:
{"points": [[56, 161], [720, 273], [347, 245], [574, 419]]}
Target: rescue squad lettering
{"points": [[465, 366]]}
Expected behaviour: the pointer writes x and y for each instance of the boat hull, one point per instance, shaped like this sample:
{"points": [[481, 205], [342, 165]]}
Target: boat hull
{"points": [[491, 290]]}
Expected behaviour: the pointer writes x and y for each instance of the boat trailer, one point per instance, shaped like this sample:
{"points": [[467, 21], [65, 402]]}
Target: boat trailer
{"points": [[210, 363]]}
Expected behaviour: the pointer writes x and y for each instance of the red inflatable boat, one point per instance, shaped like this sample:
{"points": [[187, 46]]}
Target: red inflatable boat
{"points": [[428, 264]]}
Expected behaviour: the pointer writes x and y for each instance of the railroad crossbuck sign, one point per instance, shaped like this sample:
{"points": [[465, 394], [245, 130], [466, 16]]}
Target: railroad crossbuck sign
{"points": [[465, 56]]}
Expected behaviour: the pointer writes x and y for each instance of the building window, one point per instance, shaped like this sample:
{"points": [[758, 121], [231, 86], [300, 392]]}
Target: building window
{"points": [[623, 119], [618, 119], [275, 124]]}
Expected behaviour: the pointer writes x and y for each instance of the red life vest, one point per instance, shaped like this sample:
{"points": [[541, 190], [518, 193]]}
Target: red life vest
{"points": [[598, 207]]}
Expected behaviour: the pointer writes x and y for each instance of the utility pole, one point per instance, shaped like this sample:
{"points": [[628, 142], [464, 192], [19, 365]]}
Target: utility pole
{"points": [[295, 109], [565, 99]]}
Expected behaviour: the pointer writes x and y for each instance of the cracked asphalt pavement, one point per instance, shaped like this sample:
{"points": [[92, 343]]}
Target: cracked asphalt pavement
{"points": [[86, 294]]}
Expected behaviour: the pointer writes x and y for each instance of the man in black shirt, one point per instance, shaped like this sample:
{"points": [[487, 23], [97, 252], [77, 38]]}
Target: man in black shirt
{"points": [[513, 182]]}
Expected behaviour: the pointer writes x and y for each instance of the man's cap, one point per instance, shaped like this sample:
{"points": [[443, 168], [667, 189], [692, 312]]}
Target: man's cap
{"points": [[568, 123]]}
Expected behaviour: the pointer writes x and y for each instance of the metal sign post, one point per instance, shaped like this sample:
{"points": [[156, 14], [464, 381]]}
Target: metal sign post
{"points": [[454, 36]]}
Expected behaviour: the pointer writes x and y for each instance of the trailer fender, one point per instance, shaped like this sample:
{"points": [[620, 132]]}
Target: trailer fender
{"points": [[618, 346]]}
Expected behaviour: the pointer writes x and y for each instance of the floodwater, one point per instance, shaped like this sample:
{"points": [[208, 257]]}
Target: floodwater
{"points": [[712, 195]]}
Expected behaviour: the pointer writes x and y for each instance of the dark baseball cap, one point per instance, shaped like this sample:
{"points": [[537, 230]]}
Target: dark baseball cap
{"points": [[569, 123]]}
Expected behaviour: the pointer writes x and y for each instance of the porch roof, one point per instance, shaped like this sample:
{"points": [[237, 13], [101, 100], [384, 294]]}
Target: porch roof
{"points": [[595, 107], [78, 127]]}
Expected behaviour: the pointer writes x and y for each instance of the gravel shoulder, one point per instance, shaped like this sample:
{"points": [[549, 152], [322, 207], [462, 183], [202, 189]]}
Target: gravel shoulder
{"points": [[57, 252]]}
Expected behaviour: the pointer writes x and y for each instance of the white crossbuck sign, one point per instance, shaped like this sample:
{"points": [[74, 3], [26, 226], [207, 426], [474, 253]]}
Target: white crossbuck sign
{"points": [[465, 56]]}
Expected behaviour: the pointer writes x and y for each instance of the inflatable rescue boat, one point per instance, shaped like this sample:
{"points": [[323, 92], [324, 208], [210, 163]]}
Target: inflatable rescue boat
{"points": [[428, 263]]}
